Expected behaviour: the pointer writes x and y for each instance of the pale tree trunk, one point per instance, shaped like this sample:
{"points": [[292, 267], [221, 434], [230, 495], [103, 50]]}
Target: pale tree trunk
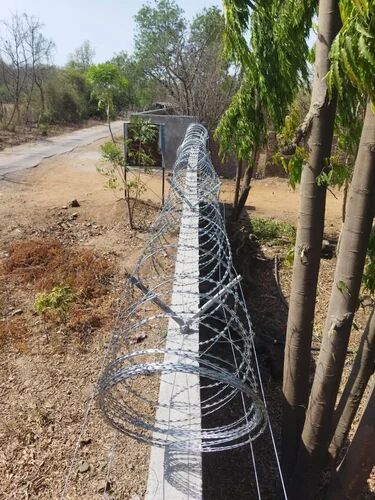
{"points": [[245, 186], [109, 122], [238, 184], [308, 244], [354, 470], [362, 370], [344, 296]]}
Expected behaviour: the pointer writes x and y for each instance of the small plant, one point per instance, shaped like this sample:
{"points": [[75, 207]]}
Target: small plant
{"points": [[117, 169], [273, 231], [58, 300], [289, 257]]}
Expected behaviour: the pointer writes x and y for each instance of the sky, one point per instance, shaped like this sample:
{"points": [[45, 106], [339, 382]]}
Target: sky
{"points": [[107, 24]]}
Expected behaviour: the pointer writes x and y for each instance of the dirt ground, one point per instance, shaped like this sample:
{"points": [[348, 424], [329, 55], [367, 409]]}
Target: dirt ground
{"points": [[49, 370]]}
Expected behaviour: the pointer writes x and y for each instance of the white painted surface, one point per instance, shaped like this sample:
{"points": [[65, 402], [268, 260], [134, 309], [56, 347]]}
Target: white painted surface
{"points": [[177, 475]]}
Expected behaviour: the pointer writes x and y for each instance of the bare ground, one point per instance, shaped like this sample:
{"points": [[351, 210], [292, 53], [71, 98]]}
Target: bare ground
{"points": [[48, 370]]}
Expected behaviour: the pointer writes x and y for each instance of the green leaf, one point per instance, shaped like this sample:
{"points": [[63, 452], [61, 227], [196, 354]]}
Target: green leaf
{"points": [[363, 31]]}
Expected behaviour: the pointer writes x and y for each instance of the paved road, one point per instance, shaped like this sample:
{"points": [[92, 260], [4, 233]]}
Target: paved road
{"points": [[32, 153]]}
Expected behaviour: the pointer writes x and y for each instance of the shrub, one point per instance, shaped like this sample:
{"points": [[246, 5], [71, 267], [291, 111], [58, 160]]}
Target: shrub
{"points": [[58, 300], [273, 231]]}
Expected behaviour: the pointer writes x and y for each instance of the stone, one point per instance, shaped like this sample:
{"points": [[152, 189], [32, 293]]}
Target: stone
{"points": [[16, 312], [83, 467], [74, 203]]}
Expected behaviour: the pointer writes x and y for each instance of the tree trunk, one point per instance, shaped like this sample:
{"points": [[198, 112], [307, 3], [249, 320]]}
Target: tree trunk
{"points": [[308, 244], [351, 476], [343, 301], [109, 122], [362, 370], [42, 99], [238, 184], [245, 187]]}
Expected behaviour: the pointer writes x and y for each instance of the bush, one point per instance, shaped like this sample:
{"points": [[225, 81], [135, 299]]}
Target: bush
{"points": [[58, 300], [273, 231]]}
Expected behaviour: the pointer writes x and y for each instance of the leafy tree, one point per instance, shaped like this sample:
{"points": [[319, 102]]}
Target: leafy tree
{"points": [[273, 68], [186, 60], [319, 123], [140, 90], [117, 173], [106, 80], [356, 16], [242, 131], [83, 57]]}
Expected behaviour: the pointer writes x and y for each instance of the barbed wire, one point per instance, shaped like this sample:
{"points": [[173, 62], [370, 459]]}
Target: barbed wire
{"points": [[186, 292]]}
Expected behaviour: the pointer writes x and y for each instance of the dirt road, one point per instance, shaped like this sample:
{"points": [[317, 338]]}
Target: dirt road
{"points": [[31, 154]]}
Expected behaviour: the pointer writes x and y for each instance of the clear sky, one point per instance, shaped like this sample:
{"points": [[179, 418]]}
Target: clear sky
{"points": [[108, 24]]}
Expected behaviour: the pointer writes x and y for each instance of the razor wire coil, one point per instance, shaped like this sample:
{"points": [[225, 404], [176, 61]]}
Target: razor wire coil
{"points": [[167, 268]]}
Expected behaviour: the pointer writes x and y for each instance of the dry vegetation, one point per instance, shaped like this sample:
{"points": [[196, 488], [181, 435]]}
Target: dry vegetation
{"points": [[50, 361]]}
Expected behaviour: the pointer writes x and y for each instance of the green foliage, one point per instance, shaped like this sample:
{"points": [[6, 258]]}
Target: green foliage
{"points": [[276, 55], [242, 128], [112, 153], [335, 175], [118, 175], [289, 256], [292, 165], [368, 278], [58, 300], [273, 231], [273, 63], [353, 50], [143, 131], [159, 32], [67, 95], [107, 81], [139, 90], [185, 59], [113, 171]]}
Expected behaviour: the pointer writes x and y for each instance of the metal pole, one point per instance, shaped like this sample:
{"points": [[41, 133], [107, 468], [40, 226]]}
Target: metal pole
{"points": [[162, 150]]}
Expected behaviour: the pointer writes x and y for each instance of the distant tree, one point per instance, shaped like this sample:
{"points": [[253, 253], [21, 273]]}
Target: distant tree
{"points": [[83, 57], [186, 60], [39, 50], [140, 89], [14, 65], [106, 80], [24, 53]]}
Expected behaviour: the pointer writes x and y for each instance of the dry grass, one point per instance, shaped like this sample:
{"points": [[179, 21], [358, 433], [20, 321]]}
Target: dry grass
{"points": [[38, 265], [46, 263], [13, 332]]}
